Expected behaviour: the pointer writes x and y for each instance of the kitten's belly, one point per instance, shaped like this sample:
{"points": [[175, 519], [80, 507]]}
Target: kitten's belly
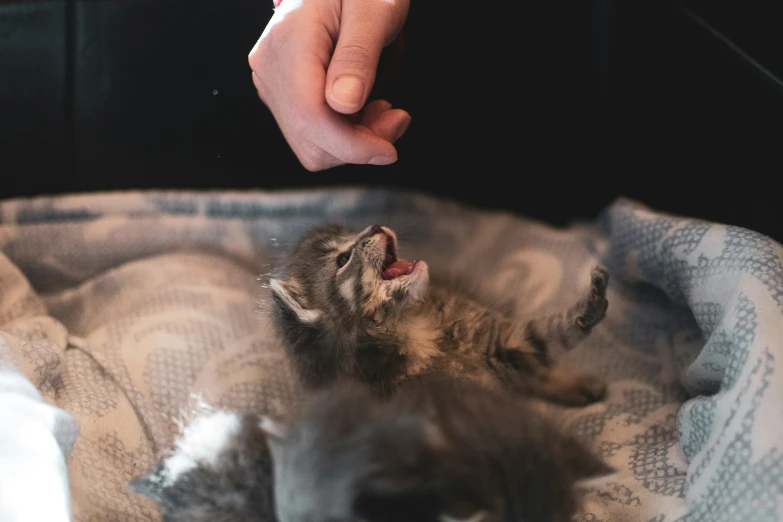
{"points": [[462, 334], [467, 365]]}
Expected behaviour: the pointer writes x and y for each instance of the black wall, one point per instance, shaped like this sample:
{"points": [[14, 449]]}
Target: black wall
{"points": [[548, 110]]}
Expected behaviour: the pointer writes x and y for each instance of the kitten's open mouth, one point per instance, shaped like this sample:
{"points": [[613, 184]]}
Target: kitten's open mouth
{"points": [[394, 267]]}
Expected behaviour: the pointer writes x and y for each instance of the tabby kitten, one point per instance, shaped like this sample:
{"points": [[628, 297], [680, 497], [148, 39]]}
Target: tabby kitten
{"points": [[422, 456], [348, 306]]}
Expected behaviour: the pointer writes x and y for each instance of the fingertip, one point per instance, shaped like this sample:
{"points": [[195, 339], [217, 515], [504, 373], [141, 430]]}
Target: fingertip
{"points": [[383, 159], [373, 111], [402, 127], [401, 120], [384, 153], [381, 105], [391, 125]]}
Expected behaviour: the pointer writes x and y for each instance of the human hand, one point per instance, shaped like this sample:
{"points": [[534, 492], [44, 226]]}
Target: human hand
{"points": [[318, 96]]}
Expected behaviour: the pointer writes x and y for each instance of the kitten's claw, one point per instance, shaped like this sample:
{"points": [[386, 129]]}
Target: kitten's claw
{"points": [[599, 279], [595, 304]]}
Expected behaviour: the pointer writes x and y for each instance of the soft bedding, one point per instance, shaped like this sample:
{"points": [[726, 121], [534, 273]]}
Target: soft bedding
{"points": [[119, 311]]}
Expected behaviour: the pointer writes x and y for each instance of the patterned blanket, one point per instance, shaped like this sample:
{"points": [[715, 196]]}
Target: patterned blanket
{"points": [[117, 309]]}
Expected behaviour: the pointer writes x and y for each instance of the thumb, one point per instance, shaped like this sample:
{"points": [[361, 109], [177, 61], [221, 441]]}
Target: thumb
{"points": [[364, 29]]}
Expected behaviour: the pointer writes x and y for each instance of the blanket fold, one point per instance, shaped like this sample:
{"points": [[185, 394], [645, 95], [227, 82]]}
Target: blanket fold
{"points": [[35, 434], [118, 311]]}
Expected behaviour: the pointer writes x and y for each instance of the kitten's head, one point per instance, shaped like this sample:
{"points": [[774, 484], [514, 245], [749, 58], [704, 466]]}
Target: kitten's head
{"points": [[340, 301], [338, 277], [220, 470]]}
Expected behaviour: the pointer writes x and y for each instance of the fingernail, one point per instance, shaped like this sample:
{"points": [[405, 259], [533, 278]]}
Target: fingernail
{"points": [[348, 90], [401, 130], [383, 159]]}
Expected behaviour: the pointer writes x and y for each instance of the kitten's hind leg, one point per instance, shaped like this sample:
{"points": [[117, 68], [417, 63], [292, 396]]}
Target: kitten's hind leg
{"points": [[529, 374], [532, 350], [562, 332], [568, 388]]}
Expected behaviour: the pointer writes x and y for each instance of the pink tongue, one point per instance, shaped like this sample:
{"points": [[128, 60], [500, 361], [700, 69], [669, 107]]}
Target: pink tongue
{"points": [[397, 269]]}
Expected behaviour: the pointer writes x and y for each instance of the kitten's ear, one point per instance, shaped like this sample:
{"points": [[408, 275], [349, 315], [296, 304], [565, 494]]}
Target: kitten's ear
{"points": [[289, 298], [588, 470]]}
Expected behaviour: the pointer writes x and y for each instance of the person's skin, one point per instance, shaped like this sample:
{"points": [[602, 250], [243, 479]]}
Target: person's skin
{"points": [[314, 66]]}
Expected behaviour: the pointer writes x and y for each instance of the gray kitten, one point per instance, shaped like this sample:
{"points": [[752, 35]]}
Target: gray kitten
{"points": [[435, 451], [353, 455], [348, 306]]}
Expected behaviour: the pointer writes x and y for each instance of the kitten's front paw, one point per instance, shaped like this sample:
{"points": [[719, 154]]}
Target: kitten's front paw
{"points": [[586, 390], [595, 305]]}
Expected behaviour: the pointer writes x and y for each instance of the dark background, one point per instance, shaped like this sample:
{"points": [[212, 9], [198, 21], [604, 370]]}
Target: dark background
{"points": [[550, 109]]}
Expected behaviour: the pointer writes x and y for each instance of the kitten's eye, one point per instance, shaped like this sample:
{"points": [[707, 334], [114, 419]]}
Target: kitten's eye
{"points": [[343, 258]]}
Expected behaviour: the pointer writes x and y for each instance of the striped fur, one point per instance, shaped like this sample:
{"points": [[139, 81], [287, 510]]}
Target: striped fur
{"points": [[341, 320]]}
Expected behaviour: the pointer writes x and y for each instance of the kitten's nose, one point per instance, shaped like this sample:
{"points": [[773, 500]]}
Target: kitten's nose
{"points": [[376, 229]]}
